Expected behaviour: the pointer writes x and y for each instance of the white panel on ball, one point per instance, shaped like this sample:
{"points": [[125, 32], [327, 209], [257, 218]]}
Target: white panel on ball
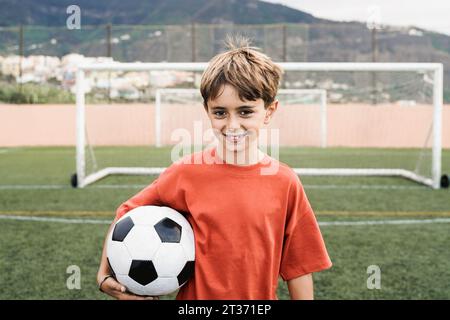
{"points": [[119, 258], [188, 244], [162, 286], [164, 265], [147, 215], [142, 242]]}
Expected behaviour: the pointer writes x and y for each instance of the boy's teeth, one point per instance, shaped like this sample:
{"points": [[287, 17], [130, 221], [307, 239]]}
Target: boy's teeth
{"points": [[235, 137]]}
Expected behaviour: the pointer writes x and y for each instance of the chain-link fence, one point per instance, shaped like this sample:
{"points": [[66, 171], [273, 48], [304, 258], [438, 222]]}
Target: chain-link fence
{"points": [[171, 43], [330, 42]]}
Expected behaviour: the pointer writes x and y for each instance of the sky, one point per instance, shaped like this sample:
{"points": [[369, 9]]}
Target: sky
{"points": [[430, 14]]}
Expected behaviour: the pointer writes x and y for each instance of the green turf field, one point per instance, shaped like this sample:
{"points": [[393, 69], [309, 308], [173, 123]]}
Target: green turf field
{"points": [[414, 258]]}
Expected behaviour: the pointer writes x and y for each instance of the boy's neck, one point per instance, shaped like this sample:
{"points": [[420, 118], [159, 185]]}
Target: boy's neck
{"points": [[246, 157]]}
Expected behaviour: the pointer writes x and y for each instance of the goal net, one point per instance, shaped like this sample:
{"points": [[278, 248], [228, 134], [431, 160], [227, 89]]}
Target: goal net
{"points": [[333, 119]]}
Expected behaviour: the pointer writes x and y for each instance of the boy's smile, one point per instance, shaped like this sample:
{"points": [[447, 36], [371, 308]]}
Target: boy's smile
{"points": [[237, 123]]}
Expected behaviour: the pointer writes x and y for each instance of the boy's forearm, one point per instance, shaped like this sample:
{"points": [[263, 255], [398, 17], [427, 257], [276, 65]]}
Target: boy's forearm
{"points": [[301, 288], [104, 266]]}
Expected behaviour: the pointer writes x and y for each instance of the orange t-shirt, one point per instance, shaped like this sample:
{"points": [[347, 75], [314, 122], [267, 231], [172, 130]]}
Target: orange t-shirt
{"points": [[250, 228]]}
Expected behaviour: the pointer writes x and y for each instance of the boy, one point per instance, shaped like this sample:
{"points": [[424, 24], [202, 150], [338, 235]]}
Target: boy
{"points": [[250, 227]]}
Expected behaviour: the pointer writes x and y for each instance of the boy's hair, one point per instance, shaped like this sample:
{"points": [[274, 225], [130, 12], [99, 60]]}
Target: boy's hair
{"points": [[250, 72]]}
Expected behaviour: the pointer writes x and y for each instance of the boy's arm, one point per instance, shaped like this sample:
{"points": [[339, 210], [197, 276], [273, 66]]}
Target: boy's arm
{"points": [[104, 269], [301, 288], [110, 286]]}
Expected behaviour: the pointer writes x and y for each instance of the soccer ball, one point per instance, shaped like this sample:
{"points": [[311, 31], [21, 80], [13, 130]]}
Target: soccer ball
{"points": [[151, 250]]}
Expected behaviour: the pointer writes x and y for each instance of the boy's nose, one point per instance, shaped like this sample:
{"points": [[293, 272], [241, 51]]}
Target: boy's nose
{"points": [[233, 123]]}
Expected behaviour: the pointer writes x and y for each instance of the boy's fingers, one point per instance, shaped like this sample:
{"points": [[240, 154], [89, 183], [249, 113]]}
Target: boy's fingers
{"points": [[128, 296], [123, 294], [115, 285], [151, 298]]}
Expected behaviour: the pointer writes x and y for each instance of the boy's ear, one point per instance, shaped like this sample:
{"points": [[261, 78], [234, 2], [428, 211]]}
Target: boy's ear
{"points": [[270, 111]]}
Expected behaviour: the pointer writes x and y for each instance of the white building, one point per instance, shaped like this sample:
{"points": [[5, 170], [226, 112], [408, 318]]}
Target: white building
{"points": [[41, 69]]}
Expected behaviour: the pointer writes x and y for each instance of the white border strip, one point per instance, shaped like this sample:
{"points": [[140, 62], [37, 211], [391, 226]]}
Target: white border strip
{"points": [[287, 66], [138, 186], [61, 220], [384, 222], [322, 224]]}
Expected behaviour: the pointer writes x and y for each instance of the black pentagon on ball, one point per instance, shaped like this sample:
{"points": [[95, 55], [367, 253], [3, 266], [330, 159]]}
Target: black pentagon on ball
{"points": [[186, 273], [110, 267], [122, 228], [142, 271], [168, 230]]}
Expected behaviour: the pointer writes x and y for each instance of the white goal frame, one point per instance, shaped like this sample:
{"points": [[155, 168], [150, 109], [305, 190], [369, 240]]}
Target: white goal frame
{"points": [[81, 180]]}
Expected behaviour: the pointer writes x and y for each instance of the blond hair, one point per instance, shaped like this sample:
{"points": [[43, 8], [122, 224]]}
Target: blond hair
{"points": [[250, 72]]}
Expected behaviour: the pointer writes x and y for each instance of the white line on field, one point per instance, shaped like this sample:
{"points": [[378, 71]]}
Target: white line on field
{"points": [[9, 150], [322, 224], [63, 186], [383, 222], [137, 186], [33, 187], [61, 220], [118, 186], [361, 186]]}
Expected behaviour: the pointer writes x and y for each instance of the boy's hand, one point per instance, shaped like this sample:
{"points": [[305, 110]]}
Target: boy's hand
{"points": [[116, 290]]}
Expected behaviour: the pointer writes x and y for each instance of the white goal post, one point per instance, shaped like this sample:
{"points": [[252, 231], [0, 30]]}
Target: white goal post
{"points": [[434, 69]]}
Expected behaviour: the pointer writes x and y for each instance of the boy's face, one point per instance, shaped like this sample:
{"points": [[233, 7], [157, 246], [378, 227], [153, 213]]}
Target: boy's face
{"points": [[236, 123]]}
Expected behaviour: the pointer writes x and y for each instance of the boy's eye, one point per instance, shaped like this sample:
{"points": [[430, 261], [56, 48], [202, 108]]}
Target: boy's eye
{"points": [[219, 114], [245, 113], [242, 113]]}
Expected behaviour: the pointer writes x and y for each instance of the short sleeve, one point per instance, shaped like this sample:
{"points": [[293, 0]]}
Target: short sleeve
{"points": [[304, 249], [146, 197], [167, 190]]}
